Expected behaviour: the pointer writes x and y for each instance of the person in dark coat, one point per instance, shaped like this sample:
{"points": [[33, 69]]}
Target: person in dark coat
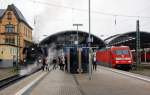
{"points": [[44, 63], [66, 65], [54, 63]]}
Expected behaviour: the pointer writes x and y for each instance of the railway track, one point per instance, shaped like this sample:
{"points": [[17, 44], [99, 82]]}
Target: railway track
{"points": [[9, 81], [13, 79]]}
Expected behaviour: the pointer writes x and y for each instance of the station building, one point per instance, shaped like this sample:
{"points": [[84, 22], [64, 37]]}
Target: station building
{"points": [[73, 46], [15, 34]]}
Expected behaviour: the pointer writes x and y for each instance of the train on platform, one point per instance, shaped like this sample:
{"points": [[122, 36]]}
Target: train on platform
{"points": [[32, 59], [119, 57]]}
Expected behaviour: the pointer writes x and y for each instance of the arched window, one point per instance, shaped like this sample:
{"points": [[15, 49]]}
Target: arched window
{"points": [[9, 15], [10, 28]]}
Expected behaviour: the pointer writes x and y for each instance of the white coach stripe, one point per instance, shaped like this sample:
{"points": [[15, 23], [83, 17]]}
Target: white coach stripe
{"points": [[29, 85]]}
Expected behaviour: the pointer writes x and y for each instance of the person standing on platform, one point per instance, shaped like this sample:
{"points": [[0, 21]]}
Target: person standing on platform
{"points": [[44, 63], [54, 63], [66, 69], [47, 66], [63, 62], [60, 62], [94, 62]]}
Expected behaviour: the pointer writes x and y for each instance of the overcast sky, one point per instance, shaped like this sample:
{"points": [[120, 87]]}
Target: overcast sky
{"points": [[108, 17]]}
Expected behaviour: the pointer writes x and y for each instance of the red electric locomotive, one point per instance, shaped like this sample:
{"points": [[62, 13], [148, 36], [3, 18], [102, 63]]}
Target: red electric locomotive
{"points": [[119, 57]]}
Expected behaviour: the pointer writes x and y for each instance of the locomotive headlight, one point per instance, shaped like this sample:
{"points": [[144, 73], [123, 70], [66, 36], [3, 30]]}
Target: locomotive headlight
{"points": [[117, 61], [129, 61], [39, 60], [32, 49], [24, 60]]}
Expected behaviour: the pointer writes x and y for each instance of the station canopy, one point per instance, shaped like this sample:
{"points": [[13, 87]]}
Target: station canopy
{"points": [[69, 37], [129, 39]]}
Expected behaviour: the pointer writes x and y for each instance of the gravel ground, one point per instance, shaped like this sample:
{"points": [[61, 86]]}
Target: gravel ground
{"points": [[145, 72], [143, 69], [5, 73]]}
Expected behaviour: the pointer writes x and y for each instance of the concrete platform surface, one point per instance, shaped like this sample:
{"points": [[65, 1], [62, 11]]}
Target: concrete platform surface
{"points": [[103, 82], [56, 82], [106, 82]]}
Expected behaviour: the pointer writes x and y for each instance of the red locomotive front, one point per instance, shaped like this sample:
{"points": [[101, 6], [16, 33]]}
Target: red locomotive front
{"points": [[116, 57]]}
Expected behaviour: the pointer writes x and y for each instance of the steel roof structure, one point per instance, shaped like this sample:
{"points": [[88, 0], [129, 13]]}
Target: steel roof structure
{"points": [[129, 39], [70, 36]]}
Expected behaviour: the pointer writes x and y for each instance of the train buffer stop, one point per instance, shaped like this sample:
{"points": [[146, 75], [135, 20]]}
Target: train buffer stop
{"points": [[104, 81]]}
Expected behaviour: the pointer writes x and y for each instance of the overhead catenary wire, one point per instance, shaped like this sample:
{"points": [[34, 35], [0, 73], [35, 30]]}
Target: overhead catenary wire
{"points": [[115, 16], [86, 10]]}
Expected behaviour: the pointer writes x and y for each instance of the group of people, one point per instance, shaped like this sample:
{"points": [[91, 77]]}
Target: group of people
{"points": [[58, 61], [61, 62]]}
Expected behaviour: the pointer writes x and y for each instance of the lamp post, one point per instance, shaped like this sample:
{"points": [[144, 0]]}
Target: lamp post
{"points": [[138, 55], [77, 43], [89, 42], [77, 32]]}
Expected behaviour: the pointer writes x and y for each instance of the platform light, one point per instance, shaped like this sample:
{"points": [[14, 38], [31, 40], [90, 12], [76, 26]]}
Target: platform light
{"points": [[77, 43]]}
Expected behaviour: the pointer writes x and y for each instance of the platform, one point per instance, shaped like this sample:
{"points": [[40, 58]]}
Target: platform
{"points": [[13, 89], [104, 82]]}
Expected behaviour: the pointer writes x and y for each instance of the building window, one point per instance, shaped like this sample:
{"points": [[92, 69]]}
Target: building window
{"points": [[10, 40], [27, 33], [14, 50], [10, 28], [10, 50], [9, 16], [24, 30]]}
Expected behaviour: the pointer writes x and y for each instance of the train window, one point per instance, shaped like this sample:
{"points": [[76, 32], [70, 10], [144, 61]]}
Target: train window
{"points": [[125, 52], [119, 52]]}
